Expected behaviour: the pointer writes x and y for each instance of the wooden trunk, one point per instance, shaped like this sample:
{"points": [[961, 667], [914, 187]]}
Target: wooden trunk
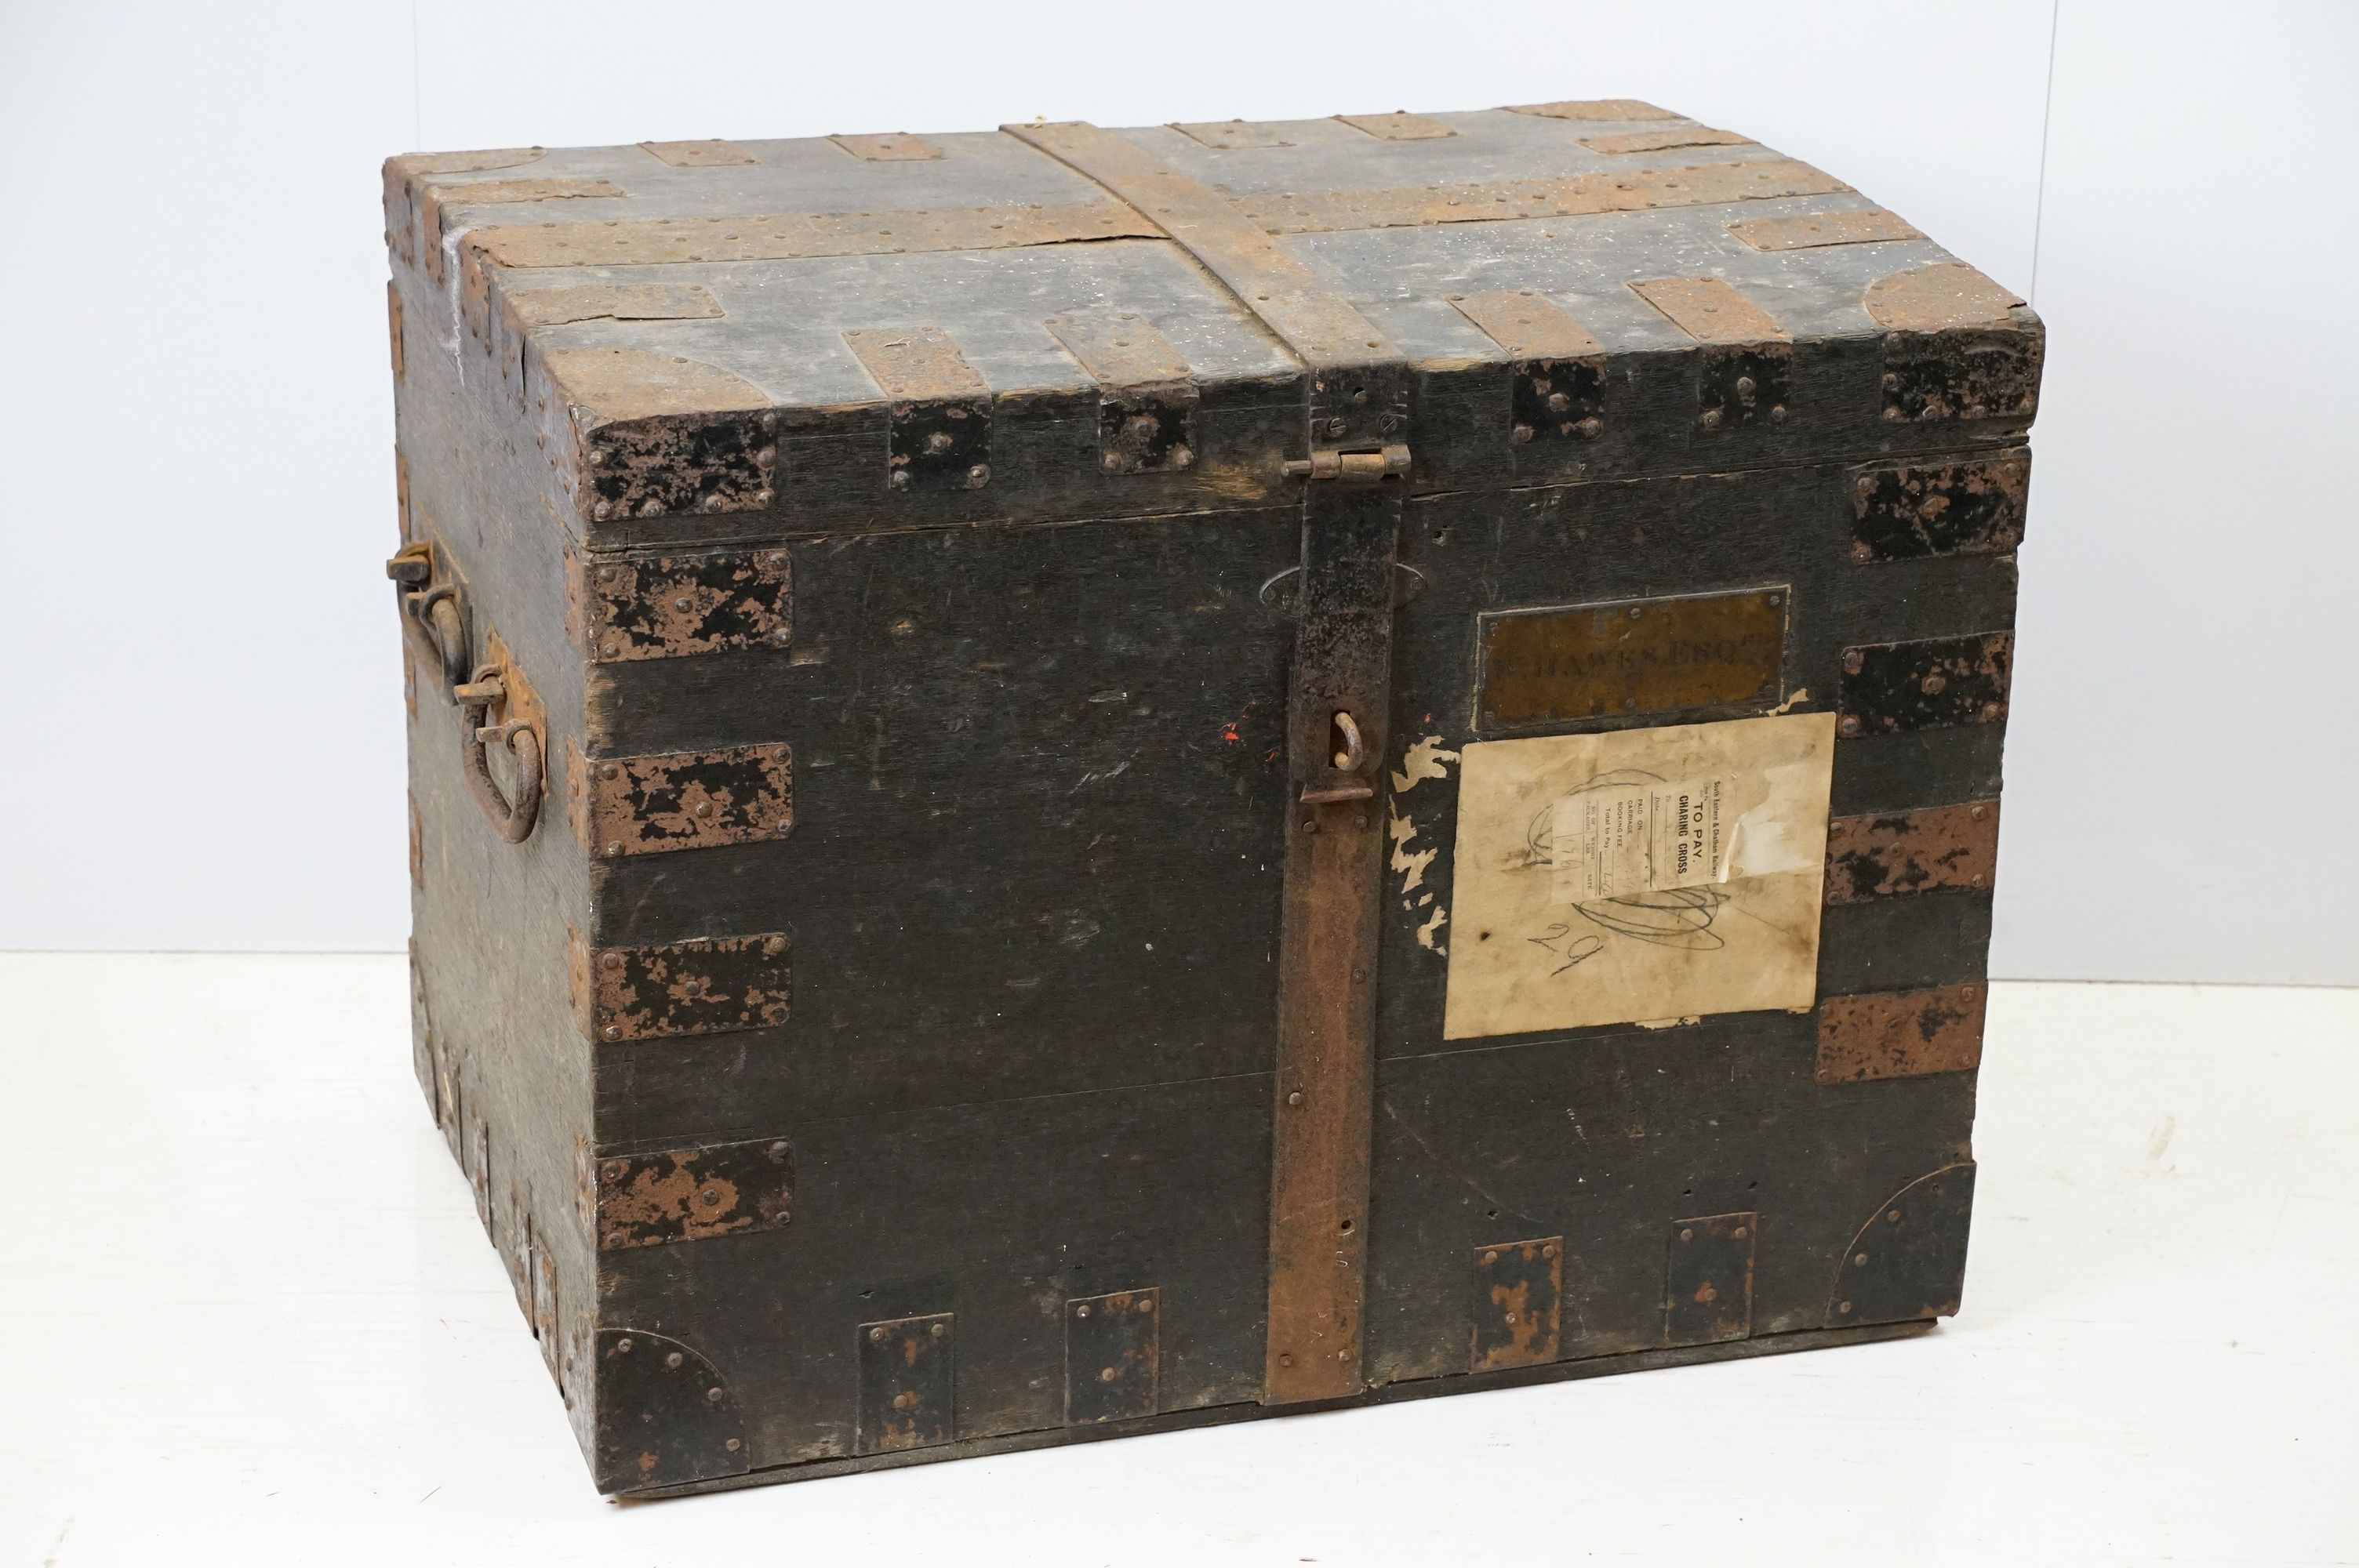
{"points": [[1066, 783]]}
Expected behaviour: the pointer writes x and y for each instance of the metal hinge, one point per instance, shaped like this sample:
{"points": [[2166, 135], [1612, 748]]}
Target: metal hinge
{"points": [[1352, 467]]}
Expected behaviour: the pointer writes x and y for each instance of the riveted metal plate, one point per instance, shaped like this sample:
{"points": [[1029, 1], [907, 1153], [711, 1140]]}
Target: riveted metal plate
{"points": [[698, 155], [674, 606], [1518, 1285], [662, 435], [1965, 374], [1889, 688], [1909, 1259], [1811, 230], [1227, 136], [1709, 309], [1624, 190], [908, 1384], [704, 987], [939, 434], [1939, 509], [689, 1195], [684, 800], [1737, 387], [1398, 126], [1664, 141], [1937, 297], [1547, 668], [1602, 109], [1896, 852], [1559, 390], [664, 1416], [791, 236], [1146, 403], [1899, 1035], [1708, 1283], [897, 148], [1113, 1356], [1528, 325], [530, 307]]}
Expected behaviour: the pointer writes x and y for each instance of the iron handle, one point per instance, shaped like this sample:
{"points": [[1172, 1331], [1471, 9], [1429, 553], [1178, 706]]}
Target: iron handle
{"points": [[511, 819], [429, 614]]}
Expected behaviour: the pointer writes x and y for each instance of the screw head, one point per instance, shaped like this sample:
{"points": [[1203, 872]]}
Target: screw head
{"points": [[623, 1347], [1847, 725]]}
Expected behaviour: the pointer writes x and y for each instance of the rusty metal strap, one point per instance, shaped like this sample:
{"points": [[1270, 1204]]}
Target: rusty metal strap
{"points": [[1290, 299]]}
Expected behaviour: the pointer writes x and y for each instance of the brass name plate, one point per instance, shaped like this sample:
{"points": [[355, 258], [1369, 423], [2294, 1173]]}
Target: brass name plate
{"points": [[1538, 669]]}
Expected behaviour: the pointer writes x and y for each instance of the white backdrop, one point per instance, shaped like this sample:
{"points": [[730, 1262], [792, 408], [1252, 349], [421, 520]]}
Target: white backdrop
{"points": [[202, 729]]}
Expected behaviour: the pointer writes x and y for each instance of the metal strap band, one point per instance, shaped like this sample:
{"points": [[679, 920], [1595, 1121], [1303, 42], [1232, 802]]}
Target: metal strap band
{"points": [[1323, 1081], [1290, 299]]}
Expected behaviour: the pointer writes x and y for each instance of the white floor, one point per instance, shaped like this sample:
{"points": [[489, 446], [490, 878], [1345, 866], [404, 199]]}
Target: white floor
{"points": [[250, 1319]]}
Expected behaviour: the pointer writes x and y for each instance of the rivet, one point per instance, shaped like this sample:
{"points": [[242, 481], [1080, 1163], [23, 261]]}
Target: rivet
{"points": [[611, 961], [1861, 551], [1145, 1305], [1294, 1097], [771, 948], [1853, 660], [763, 497], [941, 1331], [1359, 974], [1738, 1233], [617, 1169], [703, 808], [1847, 725], [1549, 1251], [1709, 418], [779, 560], [733, 1444], [1310, 825], [877, 1336], [1858, 1258], [1892, 1216], [1687, 1235], [1181, 457], [622, 1345], [1776, 414], [1894, 416], [1511, 1317], [709, 503], [940, 441], [766, 457], [778, 1149], [978, 476], [1081, 1310], [602, 511], [1978, 879], [1990, 712], [1345, 1354], [609, 771], [1745, 388], [1107, 1374], [597, 458], [900, 479], [1558, 403], [1978, 813], [1489, 1258], [612, 649], [1520, 434], [612, 1031], [1111, 462], [1286, 1360], [710, 1196], [1591, 427], [1843, 1306], [681, 603], [611, 575], [615, 847], [673, 1360]]}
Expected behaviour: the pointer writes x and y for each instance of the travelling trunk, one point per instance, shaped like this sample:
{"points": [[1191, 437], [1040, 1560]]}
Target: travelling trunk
{"points": [[1069, 783]]}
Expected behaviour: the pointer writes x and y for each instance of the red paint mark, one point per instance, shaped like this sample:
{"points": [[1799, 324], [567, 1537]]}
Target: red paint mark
{"points": [[1229, 733]]}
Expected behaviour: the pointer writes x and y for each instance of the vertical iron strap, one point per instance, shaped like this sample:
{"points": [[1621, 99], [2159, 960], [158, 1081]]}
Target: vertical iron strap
{"points": [[1355, 396]]}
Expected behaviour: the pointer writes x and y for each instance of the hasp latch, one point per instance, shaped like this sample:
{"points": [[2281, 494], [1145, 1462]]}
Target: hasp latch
{"points": [[1353, 468]]}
